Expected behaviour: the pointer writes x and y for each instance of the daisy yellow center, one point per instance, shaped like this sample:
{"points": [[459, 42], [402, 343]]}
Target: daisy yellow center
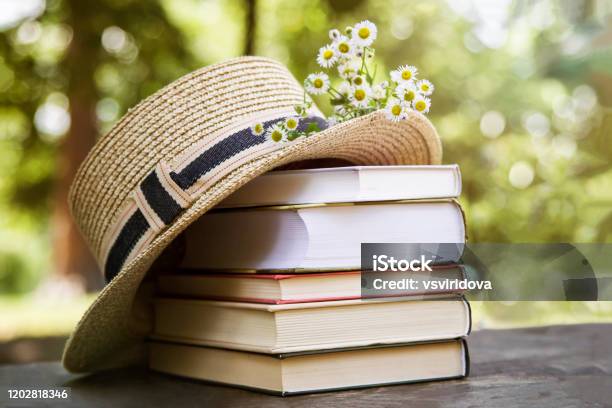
{"points": [[409, 95], [360, 94], [291, 124], [276, 135], [318, 83], [358, 81], [328, 54], [258, 128], [344, 48], [364, 32], [396, 110], [425, 87], [420, 106], [406, 75]]}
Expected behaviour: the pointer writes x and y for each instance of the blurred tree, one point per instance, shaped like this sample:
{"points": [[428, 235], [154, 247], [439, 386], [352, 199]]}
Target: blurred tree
{"points": [[251, 26], [111, 55], [72, 257]]}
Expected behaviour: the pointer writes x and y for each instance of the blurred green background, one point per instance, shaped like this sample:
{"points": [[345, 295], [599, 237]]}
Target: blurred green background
{"points": [[523, 103]]}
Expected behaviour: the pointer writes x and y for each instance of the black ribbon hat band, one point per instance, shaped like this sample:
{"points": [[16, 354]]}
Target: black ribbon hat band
{"points": [[163, 204]]}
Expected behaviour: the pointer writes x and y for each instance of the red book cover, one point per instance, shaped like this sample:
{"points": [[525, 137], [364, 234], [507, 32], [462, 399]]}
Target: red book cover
{"points": [[280, 277]]}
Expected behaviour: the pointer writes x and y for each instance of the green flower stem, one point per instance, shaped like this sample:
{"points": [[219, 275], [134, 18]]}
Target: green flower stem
{"points": [[338, 94], [364, 66]]}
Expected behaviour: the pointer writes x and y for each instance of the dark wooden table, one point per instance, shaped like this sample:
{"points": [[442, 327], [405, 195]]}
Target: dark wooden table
{"points": [[558, 366]]}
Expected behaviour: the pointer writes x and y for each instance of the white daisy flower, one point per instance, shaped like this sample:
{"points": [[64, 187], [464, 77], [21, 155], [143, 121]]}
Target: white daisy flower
{"points": [[359, 80], [327, 56], [425, 87], [349, 69], [384, 84], [344, 89], [344, 46], [258, 129], [396, 110], [276, 133], [291, 123], [364, 33], [360, 97], [317, 84], [421, 103], [334, 34], [378, 92], [406, 92], [404, 74]]}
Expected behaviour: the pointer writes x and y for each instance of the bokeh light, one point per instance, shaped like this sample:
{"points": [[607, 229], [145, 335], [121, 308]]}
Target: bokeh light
{"points": [[521, 175], [492, 124]]}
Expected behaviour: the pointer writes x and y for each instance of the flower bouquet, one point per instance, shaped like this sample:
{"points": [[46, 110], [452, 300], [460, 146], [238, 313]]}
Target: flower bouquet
{"points": [[356, 93]]}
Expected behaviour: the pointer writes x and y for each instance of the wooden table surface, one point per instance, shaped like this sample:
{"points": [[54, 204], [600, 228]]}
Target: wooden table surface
{"points": [[557, 366]]}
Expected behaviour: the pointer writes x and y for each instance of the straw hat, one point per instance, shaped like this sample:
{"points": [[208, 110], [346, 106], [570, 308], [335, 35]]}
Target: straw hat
{"points": [[176, 155]]}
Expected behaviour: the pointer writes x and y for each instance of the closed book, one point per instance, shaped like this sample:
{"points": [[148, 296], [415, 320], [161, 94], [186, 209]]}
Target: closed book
{"points": [[296, 327], [297, 373], [315, 238], [296, 288], [348, 184]]}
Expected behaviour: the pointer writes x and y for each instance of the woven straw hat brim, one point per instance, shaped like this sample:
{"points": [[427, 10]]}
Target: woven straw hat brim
{"points": [[113, 330]]}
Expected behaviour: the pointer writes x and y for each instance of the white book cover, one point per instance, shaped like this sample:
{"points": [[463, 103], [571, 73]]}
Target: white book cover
{"points": [[348, 184]]}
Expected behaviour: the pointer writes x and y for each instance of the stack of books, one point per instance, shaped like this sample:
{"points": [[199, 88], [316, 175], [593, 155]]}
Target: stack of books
{"points": [[268, 293]]}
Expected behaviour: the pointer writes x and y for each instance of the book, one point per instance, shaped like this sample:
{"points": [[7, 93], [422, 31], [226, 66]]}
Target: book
{"points": [[294, 288], [348, 184], [295, 327], [315, 238], [296, 373]]}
